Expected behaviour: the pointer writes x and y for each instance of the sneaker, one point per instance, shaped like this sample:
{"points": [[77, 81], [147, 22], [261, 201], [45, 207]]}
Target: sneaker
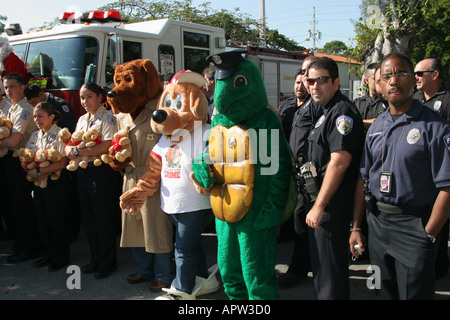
{"points": [[210, 284], [174, 294]]}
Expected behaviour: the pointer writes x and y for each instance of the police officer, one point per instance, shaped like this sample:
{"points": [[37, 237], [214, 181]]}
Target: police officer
{"points": [[18, 193], [300, 112], [370, 105], [98, 187], [406, 162], [431, 90], [334, 149]]}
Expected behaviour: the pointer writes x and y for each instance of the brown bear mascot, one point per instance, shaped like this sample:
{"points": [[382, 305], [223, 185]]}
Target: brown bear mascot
{"points": [[149, 232]]}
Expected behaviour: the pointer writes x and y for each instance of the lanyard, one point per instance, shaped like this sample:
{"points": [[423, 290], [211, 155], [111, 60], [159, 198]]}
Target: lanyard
{"points": [[384, 145]]}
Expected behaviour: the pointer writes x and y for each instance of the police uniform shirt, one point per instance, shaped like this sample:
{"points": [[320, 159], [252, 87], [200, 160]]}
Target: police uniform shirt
{"points": [[21, 115], [68, 119], [103, 120], [369, 107], [416, 149], [440, 102], [339, 128], [287, 110], [303, 121], [4, 106], [41, 140]]}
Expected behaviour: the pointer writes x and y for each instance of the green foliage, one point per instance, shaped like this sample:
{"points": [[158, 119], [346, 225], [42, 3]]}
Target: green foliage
{"points": [[334, 47], [427, 20]]}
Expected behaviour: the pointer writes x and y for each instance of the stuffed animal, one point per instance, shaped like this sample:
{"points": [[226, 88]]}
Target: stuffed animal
{"points": [[5, 131], [76, 139], [120, 149], [181, 119], [53, 155], [251, 164], [27, 160], [90, 139]]}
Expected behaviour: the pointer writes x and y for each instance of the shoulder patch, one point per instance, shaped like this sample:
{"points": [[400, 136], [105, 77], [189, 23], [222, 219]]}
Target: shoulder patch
{"points": [[344, 125], [111, 120], [25, 115], [65, 108], [447, 141]]}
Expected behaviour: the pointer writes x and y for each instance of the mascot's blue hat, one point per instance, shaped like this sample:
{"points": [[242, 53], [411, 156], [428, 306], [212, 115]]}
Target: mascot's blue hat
{"points": [[226, 62]]}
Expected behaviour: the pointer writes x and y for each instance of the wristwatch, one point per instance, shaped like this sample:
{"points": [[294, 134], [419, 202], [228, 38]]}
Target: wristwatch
{"points": [[75, 152], [432, 238], [38, 171]]}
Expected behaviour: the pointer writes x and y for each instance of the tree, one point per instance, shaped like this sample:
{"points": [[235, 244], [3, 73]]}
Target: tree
{"points": [[334, 47], [417, 28], [2, 25]]}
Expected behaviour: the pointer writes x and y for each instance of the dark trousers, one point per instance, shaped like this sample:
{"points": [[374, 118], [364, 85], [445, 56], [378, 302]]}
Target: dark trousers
{"points": [[19, 193], [329, 253], [6, 213], [97, 192], [300, 261], [51, 209], [400, 248]]}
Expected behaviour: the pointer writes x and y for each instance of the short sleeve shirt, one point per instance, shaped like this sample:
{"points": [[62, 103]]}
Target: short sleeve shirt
{"points": [[178, 194], [415, 149], [41, 140], [339, 128], [303, 121], [440, 102], [103, 120], [21, 114]]}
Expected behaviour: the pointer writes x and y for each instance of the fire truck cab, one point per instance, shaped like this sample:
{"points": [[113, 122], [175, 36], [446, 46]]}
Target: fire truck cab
{"points": [[89, 47]]}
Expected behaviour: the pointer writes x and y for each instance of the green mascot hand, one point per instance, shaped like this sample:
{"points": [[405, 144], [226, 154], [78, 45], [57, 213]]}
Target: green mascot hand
{"points": [[201, 170]]}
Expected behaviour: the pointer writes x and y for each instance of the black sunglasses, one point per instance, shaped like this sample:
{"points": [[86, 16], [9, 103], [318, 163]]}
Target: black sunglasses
{"points": [[420, 73], [319, 80]]}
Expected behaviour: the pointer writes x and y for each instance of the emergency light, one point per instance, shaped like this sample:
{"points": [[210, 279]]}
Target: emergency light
{"points": [[93, 16]]}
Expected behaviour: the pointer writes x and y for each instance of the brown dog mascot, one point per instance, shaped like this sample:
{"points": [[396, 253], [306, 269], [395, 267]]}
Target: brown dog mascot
{"points": [[181, 118], [133, 100]]}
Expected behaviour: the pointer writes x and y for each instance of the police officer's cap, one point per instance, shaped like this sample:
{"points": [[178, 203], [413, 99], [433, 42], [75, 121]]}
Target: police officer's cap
{"points": [[226, 62]]}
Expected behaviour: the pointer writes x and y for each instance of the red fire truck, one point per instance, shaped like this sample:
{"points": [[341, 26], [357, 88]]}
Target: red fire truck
{"points": [[89, 46]]}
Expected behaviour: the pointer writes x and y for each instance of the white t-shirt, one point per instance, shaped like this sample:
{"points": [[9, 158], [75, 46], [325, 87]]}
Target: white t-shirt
{"points": [[178, 193]]}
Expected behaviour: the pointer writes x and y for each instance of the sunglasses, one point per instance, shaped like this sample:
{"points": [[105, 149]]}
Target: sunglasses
{"points": [[420, 73], [319, 80]]}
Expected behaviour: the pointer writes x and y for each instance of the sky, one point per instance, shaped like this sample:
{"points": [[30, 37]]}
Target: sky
{"points": [[293, 18]]}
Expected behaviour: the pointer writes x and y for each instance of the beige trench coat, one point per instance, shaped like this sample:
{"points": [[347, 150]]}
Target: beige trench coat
{"points": [[151, 227]]}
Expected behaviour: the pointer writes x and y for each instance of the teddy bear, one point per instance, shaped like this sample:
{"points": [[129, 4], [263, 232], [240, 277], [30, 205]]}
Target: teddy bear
{"points": [[74, 139], [53, 156], [249, 190], [5, 131], [27, 160], [181, 119], [120, 149], [90, 139]]}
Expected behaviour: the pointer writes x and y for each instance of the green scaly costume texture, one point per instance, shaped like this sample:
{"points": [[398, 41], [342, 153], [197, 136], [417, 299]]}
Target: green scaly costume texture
{"points": [[247, 249]]}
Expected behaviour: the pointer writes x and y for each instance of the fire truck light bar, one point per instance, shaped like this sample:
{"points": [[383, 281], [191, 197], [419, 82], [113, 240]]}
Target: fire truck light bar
{"points": [[93, 16]]}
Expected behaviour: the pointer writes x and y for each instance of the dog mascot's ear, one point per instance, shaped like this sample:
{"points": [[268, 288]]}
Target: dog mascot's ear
{"points": [[154, 88]]}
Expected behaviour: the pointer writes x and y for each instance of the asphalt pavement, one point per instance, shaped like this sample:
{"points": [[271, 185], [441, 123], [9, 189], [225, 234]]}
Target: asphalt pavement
{"points": [[23, 281]]}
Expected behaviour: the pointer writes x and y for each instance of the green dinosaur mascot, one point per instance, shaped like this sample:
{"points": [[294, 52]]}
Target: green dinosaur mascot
{"points": [[247, 173]]}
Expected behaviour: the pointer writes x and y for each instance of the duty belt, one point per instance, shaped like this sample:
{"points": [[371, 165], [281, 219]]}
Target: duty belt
{"points": [[389, 208]]}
